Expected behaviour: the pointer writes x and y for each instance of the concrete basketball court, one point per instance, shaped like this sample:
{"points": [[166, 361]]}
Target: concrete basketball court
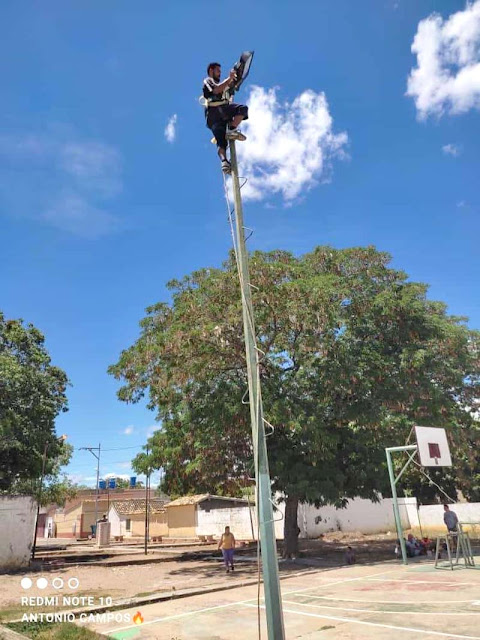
{"points": [[352, 603]]}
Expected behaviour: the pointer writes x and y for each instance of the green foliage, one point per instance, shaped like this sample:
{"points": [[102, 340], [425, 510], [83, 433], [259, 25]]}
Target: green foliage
{"points": [[32, 394], [355, 355], [123, 483]]}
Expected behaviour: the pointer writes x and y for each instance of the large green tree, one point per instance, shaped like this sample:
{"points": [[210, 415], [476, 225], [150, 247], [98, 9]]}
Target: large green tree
{"points": [[354, 354], [32, 394]]}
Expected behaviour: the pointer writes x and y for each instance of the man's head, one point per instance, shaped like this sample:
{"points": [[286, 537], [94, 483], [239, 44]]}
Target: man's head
{"points": [[446, 507], [214, 70], [227, 529]]}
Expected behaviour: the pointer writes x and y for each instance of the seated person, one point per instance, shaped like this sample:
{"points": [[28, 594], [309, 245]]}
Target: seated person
{"points": [[350, 556]]}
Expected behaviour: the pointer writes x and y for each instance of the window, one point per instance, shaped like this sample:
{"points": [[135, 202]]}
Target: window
{"points": [[128, 524]]}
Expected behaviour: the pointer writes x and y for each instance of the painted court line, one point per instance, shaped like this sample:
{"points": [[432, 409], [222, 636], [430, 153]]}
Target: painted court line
{"points": [[330, 584], [178, 615], [334, 598], [436, 582], [410, 613], [232, 604], [376, 624]]}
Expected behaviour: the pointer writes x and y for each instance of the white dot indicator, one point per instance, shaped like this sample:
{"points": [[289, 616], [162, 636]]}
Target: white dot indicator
{"points": [[73, 583], [42, 583], [26, 583], [57, 583]]}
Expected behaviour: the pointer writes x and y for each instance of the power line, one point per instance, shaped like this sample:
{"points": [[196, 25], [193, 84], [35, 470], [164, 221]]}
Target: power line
{"points": [[139, 446]]}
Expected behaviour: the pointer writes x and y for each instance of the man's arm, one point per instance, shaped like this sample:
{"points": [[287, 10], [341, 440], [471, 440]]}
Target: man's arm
{"points": [[220, 542], [233, 541], [220, 88]]}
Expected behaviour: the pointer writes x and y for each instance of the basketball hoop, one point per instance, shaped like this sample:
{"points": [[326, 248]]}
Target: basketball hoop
{"points": [[433, 449]]}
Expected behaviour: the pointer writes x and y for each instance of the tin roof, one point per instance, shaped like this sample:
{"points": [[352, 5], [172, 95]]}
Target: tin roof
{"points": [[197, 499]]}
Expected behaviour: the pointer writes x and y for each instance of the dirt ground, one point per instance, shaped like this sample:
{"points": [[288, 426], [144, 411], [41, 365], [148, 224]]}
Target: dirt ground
{"points": [[135, 580], [331, 547]]}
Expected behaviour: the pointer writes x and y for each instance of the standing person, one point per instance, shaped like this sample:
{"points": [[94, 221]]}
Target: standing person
{"points": [[450, 519], [227, 545], [222, 115]]}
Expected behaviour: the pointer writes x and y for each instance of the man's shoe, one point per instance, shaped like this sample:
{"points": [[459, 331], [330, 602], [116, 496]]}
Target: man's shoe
{"points": [[235, 134], [226, 166], [233, 567]]}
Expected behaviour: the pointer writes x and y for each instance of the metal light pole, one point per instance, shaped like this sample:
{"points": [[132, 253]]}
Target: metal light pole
{"points": [[92, 451], [273, 600]]}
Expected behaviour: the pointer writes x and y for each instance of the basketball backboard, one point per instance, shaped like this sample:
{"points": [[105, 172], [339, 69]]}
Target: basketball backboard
{"points": [[433, 449]]}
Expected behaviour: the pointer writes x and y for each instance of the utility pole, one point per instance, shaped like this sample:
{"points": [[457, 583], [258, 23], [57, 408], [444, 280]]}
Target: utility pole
{"points": [[147, 490], [92, 451], [39, 499], [61, 439], [273, 600]]}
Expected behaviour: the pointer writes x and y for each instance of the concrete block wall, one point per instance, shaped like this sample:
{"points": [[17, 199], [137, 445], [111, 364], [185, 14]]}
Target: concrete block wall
{"points": [[17, 524], [431, 516], [213, 522], [359, 515]]}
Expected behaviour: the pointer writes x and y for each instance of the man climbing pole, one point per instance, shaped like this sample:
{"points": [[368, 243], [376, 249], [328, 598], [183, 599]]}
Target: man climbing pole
{"points": [[222, 115]]}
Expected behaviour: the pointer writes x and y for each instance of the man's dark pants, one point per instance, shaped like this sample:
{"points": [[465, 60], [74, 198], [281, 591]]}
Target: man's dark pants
{"points": [[219, 117]]}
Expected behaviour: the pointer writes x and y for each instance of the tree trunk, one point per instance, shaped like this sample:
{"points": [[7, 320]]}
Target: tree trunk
{"points": [[290, 528]]}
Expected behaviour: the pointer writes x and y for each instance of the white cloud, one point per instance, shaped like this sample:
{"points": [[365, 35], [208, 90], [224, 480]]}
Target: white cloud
{"points": [[60, 179], [447, 76], [70, 212], [128, 431], [76, 478], [94, 165], [116, 475], [290, 145], [170, 130], [80, 478], [451, 150]]}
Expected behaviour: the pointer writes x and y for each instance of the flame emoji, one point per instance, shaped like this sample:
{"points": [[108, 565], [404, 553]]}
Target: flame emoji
{"points": [[138, 618]]}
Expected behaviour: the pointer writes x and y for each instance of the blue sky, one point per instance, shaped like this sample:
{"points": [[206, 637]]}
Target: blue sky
{"points": [[98, 210]]}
